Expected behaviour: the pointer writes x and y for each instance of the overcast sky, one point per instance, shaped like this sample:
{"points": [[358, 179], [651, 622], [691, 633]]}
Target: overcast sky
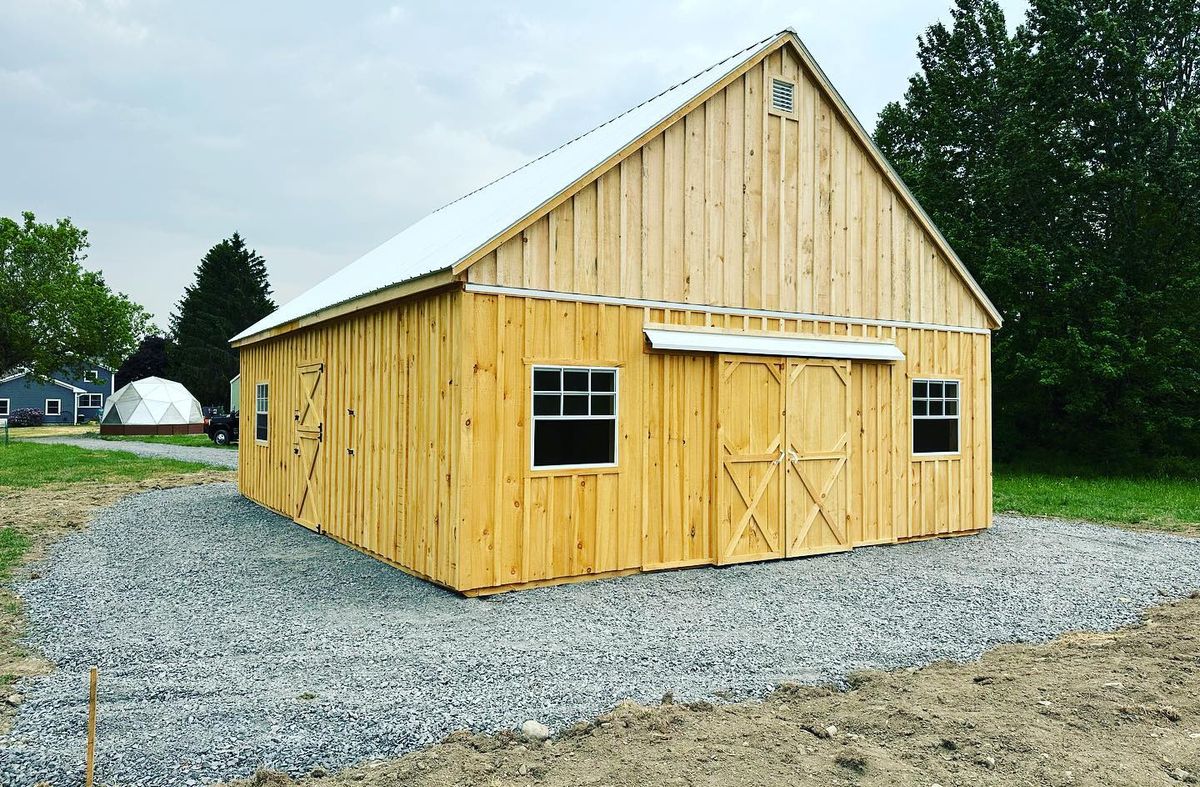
{"points": [[318, 130]]}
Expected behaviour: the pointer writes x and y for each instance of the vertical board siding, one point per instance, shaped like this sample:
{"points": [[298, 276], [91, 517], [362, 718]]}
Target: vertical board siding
{"points": [[735, 206], [656, 509], [391, 396]]}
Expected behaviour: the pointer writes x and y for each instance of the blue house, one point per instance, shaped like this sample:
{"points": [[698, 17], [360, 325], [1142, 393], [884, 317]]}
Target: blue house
{"points": [[66, 398]]}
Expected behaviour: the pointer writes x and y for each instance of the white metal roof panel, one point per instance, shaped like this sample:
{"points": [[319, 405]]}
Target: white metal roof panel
{"points": [[757, 344], [451, 234]]}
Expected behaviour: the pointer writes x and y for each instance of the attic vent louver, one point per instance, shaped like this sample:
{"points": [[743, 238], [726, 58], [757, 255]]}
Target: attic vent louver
{"points": [[783, 96]]}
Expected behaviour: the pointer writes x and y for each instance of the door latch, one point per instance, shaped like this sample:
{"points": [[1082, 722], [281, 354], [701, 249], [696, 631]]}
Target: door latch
{"points": [[350, 451]]}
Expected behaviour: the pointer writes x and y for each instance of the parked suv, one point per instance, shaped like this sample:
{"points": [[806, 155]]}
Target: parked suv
{"points": [[222, 429]]}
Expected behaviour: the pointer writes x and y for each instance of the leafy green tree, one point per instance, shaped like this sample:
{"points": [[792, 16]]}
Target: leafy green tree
{"points": [[148, 360], [1063, 164], [230, 293], [54, 314]]}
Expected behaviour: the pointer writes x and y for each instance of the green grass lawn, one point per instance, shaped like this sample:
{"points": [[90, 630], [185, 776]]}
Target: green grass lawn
{"points": [[34, 464], [1171, 504], [195, 440], [13, 545]]}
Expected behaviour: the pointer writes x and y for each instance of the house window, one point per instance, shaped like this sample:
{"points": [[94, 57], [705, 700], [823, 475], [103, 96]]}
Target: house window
{"points": [[3, 407], [91, 400], [935, 416], [53, 407], [91, 376], [260, 412], [574, 416]]}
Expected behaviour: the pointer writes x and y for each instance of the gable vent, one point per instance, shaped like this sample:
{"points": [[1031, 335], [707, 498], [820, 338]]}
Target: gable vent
{"points": [[783, 95]]}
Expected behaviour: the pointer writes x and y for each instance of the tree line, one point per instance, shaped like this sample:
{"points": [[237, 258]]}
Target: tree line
{"points": [[1062, 162]]}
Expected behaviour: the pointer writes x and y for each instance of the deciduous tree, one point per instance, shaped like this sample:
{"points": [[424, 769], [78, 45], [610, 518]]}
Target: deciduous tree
{"points": [[54, 313]]}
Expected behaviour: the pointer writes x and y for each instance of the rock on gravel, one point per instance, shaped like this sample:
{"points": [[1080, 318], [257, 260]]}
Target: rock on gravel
{"points": [[534, 731], [228, 638], [217, 457]]}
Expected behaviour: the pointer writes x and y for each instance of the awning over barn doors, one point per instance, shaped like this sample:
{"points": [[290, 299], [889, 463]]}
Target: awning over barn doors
{"points": [[663, 337]]}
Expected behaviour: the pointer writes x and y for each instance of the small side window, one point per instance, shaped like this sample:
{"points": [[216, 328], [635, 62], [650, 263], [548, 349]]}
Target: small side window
{"points": [[53, 407], [91, 375], [260, 412], [935, 416], [3, 407]]}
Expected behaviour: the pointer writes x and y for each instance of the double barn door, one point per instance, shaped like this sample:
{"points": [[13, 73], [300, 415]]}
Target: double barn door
{"points": [[783, 443]]}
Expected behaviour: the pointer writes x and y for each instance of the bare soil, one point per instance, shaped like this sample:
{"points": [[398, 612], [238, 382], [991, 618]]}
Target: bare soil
{"points": [[1118, 709], [46, 514]]}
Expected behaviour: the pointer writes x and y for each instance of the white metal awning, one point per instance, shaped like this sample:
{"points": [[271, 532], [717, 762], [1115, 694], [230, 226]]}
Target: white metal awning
{"points": [[663, 338]]}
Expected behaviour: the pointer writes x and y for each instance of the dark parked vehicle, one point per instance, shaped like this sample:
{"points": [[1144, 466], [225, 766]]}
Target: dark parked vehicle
{"points": [[222, 429]]}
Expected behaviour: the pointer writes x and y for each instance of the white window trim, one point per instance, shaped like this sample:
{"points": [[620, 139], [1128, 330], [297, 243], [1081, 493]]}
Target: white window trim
{"points": [[533, 419], [95, 376], [88, 396], [957, 417], [7, 408], [266, 412], [46, 409]]}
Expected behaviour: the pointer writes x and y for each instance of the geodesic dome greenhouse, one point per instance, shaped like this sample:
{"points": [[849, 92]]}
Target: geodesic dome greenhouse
{"points": [[152, 405]]}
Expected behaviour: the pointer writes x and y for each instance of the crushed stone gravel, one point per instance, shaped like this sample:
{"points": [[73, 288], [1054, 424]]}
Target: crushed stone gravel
{"points": [[228, 638], [217, 457]]}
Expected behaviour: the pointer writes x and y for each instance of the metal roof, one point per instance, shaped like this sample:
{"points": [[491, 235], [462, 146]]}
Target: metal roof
{"points": [[453, 233]]}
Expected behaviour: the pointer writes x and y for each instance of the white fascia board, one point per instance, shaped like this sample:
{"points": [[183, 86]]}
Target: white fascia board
{"points": [[755, 344]]}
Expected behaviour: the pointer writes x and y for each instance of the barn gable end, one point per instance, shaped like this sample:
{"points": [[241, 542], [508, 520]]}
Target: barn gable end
{"points": [[736, 205]]}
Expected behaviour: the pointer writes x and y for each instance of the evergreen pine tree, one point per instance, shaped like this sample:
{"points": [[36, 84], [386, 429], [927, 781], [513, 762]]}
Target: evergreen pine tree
{"points": [[148, 360], [230, 293]]}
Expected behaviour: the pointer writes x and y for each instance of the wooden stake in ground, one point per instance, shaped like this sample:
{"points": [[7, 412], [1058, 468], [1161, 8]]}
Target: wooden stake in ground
{"points": [[91, 744]]}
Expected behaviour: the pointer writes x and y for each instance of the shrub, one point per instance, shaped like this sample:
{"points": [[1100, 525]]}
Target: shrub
{"points": [[25, 416]]}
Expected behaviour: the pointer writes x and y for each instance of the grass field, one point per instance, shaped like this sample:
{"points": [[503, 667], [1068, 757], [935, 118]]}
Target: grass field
{"points": [[26, 465], [194, 440], [1171, 504]]}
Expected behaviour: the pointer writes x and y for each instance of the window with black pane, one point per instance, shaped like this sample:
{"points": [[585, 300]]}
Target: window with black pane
{"points": [[574, 416], [935, 411], [260, 412]]}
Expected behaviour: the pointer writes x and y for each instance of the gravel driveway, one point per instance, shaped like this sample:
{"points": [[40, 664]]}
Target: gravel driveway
{"points": [[229, 638], [219, 457]]}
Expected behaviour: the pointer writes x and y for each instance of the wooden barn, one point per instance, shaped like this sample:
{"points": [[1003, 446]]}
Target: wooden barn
{"points": [[717, 328]]}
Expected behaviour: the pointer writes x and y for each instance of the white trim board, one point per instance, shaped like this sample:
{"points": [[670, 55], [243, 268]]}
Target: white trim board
{"points": [[737, 311], [757, 344]]}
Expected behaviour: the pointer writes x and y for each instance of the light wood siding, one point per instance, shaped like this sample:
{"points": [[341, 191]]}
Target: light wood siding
{"points": [[735, 206], [397, 368], [656, 509]]}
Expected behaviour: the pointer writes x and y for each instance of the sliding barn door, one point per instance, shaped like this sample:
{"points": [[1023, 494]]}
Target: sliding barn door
{"points": [[750, 515], [310, 434], [818, 452]]}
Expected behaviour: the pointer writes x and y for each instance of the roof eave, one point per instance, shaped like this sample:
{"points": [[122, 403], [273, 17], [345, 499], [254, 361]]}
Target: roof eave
{"points": [[405, 289]]}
